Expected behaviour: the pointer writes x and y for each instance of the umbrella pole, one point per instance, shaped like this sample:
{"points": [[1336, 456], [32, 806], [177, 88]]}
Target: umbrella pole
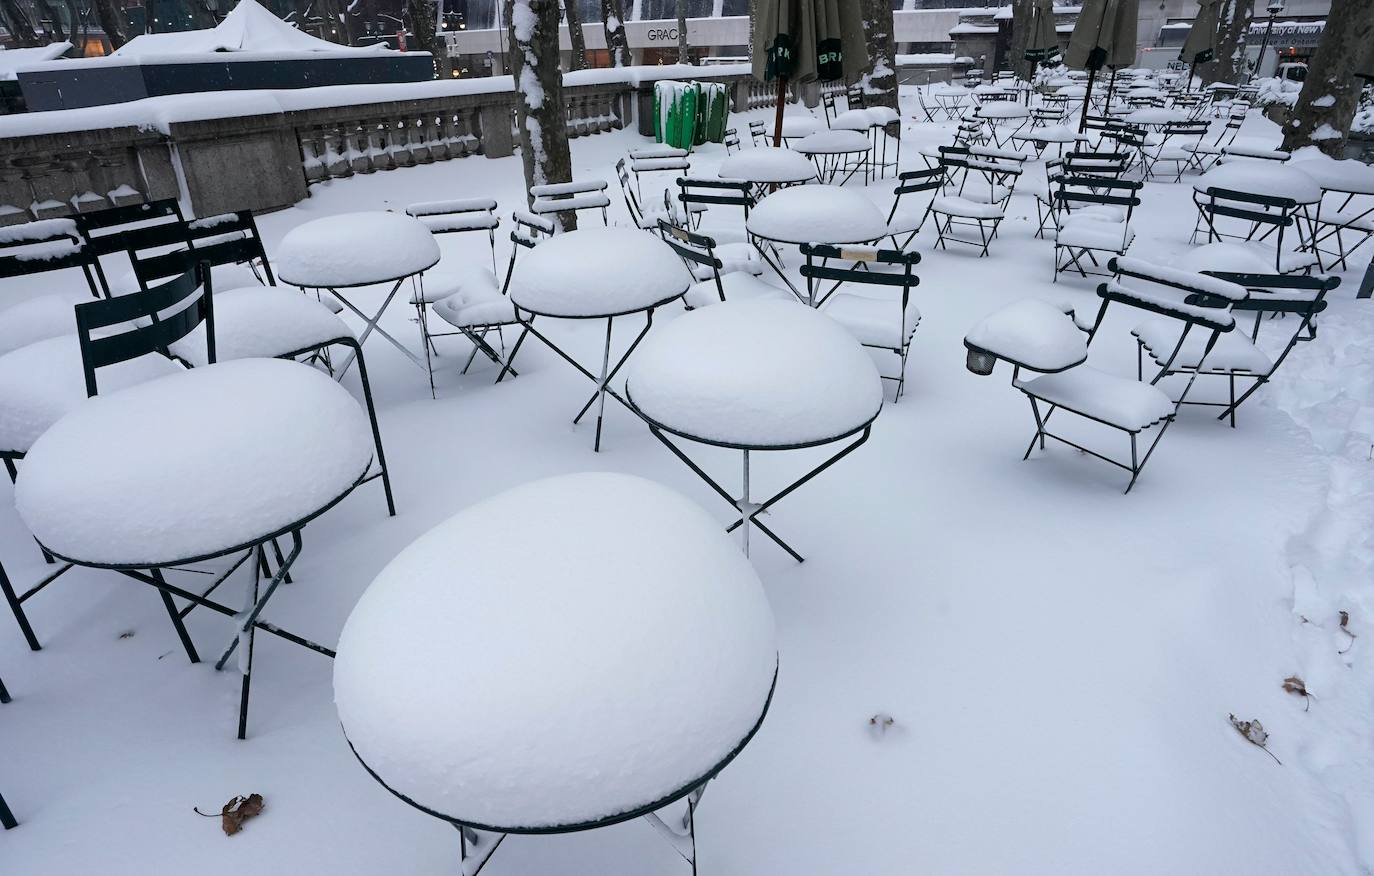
{"points": [[1111, 84], [777, 119], [1087, 102], [1192, 70]]}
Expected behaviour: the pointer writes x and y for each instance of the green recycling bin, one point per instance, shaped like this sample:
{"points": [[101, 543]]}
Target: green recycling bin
{"points": [[713, 111], [675, 113]]}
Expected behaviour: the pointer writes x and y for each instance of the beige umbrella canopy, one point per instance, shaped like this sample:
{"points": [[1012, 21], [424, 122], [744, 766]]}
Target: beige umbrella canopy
{"points": [[805, 40], [1103, 37], [1200, 47], [1042, 45]]}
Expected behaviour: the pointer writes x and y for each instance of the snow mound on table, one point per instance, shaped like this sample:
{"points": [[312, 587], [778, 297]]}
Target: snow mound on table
{"points": [[834, 141], [569, 650], [355, 249], [817, 214], [1343, 175], [193, 463], [262, 322], [37, 319], [756, 373], [1261, 178], [1033, 333], [766, 164], [598, 272]]}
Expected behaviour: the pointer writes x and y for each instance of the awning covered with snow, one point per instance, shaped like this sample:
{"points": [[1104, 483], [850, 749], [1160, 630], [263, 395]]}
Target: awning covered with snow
{"points": [[249, 28]]}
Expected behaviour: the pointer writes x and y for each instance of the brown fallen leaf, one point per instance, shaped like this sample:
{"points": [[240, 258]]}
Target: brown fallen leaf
{"points": [[1255, 734], [236, 812], [1294, 685], [1345, 628]]}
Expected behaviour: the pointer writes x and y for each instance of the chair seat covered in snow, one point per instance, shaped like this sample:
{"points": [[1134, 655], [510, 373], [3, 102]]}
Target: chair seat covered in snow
{"points": [[37, 319], [1232, 352], [473, 690], [42, 382], [477, 302], [874, 322], [755, 375], [1037, 336]]}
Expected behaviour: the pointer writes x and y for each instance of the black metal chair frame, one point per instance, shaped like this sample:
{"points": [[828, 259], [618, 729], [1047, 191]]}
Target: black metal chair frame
{"points": [[1071, 190], [7, 820], [1269, 212], [471, 206], [654, 160], [555, 198], [693, 249], [913, 182], [697, 192], [1324, 229], [478, 842], [1191, 316], [103, 230], [731, 141], [758, 131], [1151, 155], [1306, 306], [1203, 160], [959, 162], [859, 273]]}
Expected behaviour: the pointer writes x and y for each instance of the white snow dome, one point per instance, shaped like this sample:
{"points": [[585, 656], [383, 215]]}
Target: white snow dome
{"points": [[1262, 178], [565, 653], [834, 141], [193, 464], [355, 249], [768, 164], [1229, 257], [1032, 333], [598, 272], [1343, 175], [760, 373], [817, 214]]}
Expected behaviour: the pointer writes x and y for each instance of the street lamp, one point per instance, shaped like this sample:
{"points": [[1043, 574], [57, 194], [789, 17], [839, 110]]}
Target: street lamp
{"points": [[1274, 8]]}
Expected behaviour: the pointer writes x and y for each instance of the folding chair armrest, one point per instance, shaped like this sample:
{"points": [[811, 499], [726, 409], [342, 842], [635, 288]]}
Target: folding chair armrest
{"points": [[859, 253], [1210, 317], [1194, 283]]}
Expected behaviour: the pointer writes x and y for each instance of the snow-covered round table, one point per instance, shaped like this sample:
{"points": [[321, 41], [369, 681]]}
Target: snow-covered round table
{"points": [[813, 214], [1154, 117], [768, 165], [951, 99], [353, 250], [595, 273], [837, 150], [508, 672], [1002, 119], [168, 472], [703, 379]]}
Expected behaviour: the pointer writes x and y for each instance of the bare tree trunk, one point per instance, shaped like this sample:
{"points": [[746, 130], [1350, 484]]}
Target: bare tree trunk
{"points": [[539, 95], [422, 22], [880, 74], [111, 21], [1233, 26], [613, 17], [684, 56], [1021, 14], [1326, 106], [575, 35]]}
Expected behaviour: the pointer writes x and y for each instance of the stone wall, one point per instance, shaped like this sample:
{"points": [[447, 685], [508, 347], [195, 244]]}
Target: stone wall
{"points": [[268, 160]]}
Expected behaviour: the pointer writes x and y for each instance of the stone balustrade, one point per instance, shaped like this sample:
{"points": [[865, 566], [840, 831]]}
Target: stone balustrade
{"points": [[266, 151]]}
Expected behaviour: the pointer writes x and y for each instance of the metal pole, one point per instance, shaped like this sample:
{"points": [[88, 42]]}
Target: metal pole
{"points": [[1264, 44]]}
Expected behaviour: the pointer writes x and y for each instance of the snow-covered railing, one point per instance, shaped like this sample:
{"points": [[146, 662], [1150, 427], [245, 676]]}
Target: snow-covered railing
{"points": [[259, 150]]}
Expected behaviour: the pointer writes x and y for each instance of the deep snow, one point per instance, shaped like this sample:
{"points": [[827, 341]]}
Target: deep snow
{"points": [[1059, 659]]}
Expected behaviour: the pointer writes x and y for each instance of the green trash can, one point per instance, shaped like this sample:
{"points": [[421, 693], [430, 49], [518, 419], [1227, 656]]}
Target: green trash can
{"points": [[712, 112], [675, 113]]}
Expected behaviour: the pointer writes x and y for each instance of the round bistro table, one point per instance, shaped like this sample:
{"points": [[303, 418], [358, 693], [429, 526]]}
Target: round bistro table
{"points": [[573, 653], [595, 273]]}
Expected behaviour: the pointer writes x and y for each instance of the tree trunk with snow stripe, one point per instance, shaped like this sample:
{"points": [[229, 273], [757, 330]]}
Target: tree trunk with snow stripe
{"points": [[1331, 91], [1233, 27], [543, 128], [617, 44], [879, 80], [573, 15]]}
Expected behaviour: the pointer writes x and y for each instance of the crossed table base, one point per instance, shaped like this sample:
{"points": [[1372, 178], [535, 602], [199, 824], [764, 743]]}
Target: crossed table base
{"points": [[608, 371]]}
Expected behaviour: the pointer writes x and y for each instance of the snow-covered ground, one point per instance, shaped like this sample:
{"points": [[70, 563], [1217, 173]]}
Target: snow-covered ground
{"points": [[1059, 659]]}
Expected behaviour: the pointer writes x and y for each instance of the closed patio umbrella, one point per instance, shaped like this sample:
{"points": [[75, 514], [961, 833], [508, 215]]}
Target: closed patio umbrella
{"points": [[1200, 47], [1042, 45], [1103, 37], [805, 40]]}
